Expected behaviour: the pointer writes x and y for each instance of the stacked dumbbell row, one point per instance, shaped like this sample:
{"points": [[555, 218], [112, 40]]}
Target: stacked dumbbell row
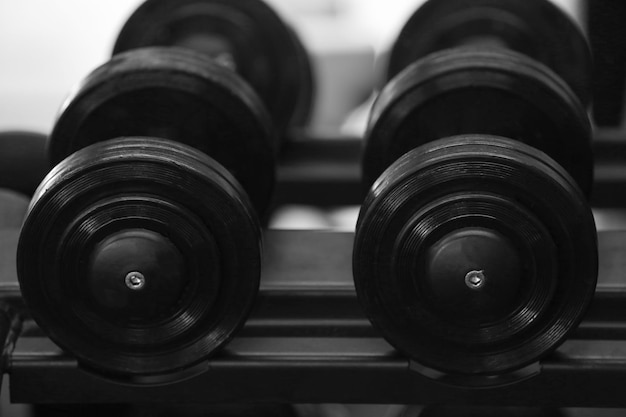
{"points": [[475, 251], [141, 250], [163, 159]]}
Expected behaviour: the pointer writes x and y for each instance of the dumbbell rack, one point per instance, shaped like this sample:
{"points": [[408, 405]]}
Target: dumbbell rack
{"points": [[308, 341]]}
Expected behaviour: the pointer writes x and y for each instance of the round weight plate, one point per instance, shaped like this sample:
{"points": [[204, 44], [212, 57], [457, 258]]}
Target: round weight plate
{"points": [[475, 255], [245, 35], [468, 91], [538, 29], [13, 206], [140, 256], [23, 160], [179, 95]]}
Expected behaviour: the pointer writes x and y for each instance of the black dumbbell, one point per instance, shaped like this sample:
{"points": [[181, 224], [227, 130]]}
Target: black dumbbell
{"points": [[175, 94], [245, 35], [475, 252], [467, 90], [140, 254], [537, 29], [22, 167]]}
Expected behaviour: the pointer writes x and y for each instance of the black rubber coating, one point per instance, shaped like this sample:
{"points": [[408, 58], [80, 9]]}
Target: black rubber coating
{"points": [[204, 231], [464, 186], [475, 91], [538, 29], [248, 36], [174, 94]]}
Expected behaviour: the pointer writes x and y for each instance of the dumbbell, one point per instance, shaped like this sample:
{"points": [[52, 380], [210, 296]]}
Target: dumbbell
{"points": [[140, 253], [476, 251], [537, 29], [22, 168], [246, 35]]}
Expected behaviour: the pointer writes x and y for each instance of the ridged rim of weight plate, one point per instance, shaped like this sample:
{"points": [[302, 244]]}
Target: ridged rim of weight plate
{"points": [[251, 142], [551, 36], [156, 185], [461, 69], [257, 28], [481, 180]]}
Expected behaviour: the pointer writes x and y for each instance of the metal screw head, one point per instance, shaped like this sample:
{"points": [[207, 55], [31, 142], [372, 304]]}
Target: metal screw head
{"points": [[135, 280], [475, 280]]}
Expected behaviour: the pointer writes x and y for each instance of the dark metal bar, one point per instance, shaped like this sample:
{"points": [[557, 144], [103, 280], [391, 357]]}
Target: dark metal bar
{"points": [[327, 172], [5, 331], [347, 370], [607, 36], [321, 172]]}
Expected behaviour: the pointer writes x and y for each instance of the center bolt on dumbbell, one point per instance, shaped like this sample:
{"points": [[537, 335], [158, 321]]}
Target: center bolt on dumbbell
{"points": [[135, 280], [475, 280], [475, 251], [141, 251]]}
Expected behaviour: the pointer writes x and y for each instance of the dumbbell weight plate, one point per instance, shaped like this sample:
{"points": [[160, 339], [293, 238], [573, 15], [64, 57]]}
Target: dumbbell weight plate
{"points": [[179, 95], [24, 162], [475, 255], [538, 29], [140, 256], [246, 35], [467, 91]]}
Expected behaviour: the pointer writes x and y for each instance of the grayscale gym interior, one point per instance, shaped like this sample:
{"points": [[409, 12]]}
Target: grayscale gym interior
{"points": [[313, 208]]}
